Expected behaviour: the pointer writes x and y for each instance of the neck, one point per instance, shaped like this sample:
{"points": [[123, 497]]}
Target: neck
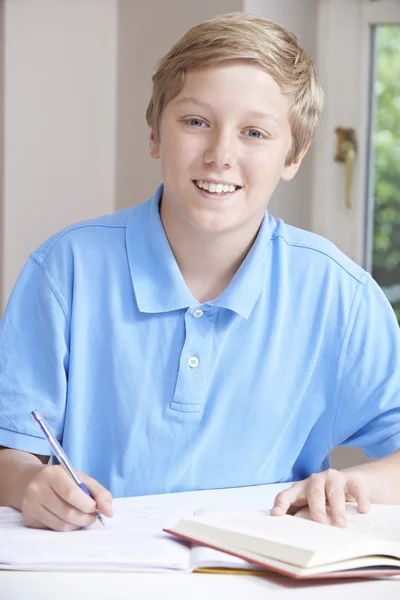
{"points": [[208, 261]]}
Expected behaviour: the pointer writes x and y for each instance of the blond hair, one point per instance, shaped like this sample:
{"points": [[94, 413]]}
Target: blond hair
{"points": [[241, 36]]}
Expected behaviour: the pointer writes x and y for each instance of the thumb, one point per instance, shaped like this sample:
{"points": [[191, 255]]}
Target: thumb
{"points": [[102, 496]]}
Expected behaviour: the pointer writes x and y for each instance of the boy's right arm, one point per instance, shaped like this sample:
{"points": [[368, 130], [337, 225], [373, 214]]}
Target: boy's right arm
{"points": [[46, 495]]}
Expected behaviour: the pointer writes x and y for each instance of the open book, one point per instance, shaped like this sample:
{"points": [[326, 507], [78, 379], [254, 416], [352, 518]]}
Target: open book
{"points": [[299, 547]]}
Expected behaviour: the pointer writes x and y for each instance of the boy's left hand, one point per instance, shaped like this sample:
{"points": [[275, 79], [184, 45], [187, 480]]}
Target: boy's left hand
{"points": [[329, 489]]}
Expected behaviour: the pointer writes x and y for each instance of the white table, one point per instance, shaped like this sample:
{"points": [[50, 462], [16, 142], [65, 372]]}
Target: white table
{"points": [[16, 585]]}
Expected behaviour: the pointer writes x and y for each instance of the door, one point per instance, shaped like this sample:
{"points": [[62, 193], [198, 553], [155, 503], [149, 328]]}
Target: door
{"points": [[356, 203]]}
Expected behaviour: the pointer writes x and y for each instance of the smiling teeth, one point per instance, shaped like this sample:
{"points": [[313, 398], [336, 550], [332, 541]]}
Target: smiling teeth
{"points": [[215, 188]]}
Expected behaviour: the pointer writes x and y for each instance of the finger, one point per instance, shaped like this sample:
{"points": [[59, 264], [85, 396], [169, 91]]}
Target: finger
{"points": [[315, 493], [45, 519], [63, 485], [67, 512], [287, 498], [359, 492], [101, 495], [336, 500]]}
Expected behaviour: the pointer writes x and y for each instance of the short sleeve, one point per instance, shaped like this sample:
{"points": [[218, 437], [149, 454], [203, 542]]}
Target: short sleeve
{"points": [[34, 357], [368, 409]]}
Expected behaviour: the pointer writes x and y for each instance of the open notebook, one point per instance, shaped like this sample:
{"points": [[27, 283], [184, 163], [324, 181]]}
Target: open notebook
{"points": [[133, 540]]}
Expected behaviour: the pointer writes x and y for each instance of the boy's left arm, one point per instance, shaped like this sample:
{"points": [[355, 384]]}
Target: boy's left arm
{"points": [[377, 481], [366, 414]]}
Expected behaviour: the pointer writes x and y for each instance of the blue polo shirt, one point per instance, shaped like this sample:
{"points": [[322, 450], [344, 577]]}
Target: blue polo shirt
{"points": [[149, 391]]}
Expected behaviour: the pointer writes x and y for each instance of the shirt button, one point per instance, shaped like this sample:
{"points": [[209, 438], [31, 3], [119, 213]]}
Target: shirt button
{"points": [[193, 361], [198, 313]]}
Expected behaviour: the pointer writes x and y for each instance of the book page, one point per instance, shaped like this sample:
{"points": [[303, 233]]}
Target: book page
{"points": [[132, 540], [383, 520]]}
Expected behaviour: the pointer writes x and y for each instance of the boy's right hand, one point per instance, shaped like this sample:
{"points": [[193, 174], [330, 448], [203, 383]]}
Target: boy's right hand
{"points": [[52, 500]]}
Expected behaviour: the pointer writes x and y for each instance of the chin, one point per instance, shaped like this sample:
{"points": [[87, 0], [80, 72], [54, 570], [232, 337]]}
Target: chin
{"points": [[207, 226]]}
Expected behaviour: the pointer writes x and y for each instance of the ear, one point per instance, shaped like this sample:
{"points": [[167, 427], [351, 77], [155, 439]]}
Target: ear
{"points": [[290, 171], [154, 146]]}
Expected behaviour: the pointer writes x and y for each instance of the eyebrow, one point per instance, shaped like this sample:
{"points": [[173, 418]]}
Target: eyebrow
{"points": [[253, 113]]}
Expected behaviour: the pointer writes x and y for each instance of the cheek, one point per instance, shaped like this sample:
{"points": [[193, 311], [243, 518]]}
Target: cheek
{"points": [[258, 168], [266, 166], [181, 150]]}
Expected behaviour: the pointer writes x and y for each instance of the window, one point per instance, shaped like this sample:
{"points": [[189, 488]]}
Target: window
{"points": [[384, 213]]}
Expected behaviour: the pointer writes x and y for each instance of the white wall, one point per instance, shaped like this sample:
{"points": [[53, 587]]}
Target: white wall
{"points": [[59, 120]]}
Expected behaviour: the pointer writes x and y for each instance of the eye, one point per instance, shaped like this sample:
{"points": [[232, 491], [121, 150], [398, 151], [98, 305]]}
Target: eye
{"points": [[254, 134], [195, 122]]}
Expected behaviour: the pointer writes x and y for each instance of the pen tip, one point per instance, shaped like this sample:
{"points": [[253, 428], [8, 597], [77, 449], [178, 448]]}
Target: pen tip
{"points": [[100, 518]]}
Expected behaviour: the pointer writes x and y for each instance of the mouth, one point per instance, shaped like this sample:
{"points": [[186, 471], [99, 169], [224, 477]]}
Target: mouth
{"points": [[216, 189]]}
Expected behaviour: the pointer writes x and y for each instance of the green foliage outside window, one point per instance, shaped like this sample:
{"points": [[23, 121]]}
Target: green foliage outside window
{"points": [[386, 240]]}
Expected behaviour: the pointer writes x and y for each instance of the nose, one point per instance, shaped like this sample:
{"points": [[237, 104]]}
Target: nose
{"points": [[221, 150]]}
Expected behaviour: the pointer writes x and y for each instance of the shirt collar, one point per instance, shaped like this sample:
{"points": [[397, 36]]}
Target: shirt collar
{"points": [[157, 280]]}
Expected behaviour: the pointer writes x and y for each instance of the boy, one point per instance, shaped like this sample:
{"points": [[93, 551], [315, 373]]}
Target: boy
{"points": [[194, 341]]}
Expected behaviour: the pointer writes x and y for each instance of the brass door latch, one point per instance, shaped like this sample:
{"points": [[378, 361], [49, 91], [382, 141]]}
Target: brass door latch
{"points": [[346, 152]]}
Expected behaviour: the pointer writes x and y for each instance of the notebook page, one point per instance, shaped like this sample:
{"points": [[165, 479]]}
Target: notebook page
{"points": [[132, 540]]}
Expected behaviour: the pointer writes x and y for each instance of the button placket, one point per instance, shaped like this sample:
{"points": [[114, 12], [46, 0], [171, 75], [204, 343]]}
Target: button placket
{"points": [[194, 365]]}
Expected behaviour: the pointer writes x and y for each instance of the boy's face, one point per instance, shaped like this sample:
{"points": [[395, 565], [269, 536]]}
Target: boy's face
{"points": [[229, 125]]}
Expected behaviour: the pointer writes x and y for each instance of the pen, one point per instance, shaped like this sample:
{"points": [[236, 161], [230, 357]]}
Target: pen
{"points": [[62, 457]]}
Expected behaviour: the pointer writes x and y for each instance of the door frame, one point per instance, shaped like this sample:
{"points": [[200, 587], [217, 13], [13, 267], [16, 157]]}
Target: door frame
{"points": [[344, 50]]}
